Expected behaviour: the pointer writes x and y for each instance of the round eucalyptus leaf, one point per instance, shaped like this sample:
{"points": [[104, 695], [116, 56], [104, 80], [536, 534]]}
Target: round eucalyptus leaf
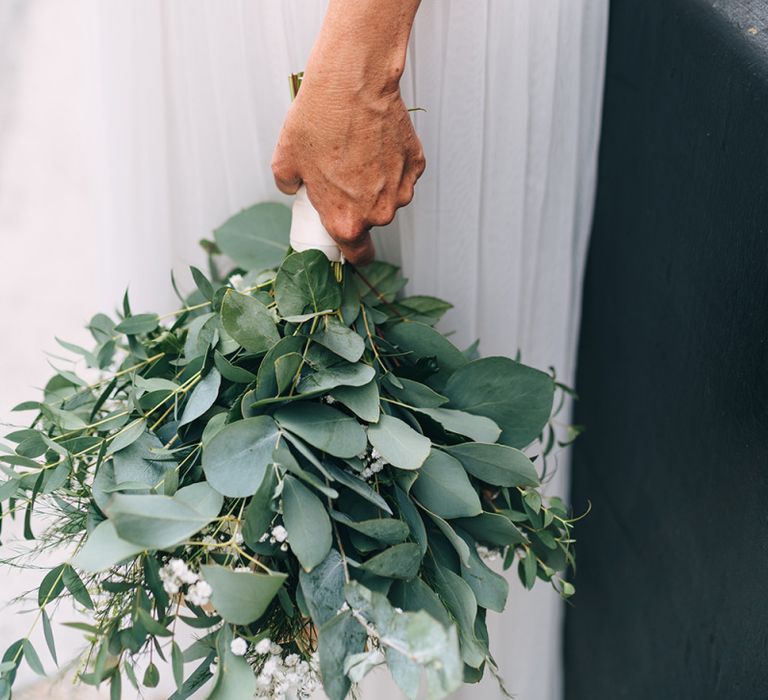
{"points": [[249, 322], [398, 443], [257, 237], [307, 523], [498, 465], [444, 488], [241, 597], [323, 427], [305, 283], [236, 458], [518, 398]]}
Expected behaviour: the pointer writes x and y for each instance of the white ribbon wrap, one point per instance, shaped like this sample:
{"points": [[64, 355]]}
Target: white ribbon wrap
{"points": [[308, 232]]}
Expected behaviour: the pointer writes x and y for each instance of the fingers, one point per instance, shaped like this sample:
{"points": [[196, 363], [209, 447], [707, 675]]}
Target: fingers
{"points": [[360, 251], [287, 178]]}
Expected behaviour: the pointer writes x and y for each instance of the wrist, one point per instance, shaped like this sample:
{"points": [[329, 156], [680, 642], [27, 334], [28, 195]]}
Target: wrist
{"points": [[362, 47]]}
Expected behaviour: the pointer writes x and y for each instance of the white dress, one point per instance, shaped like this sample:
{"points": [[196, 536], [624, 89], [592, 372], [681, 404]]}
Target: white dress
{"points": [[182, 104]]}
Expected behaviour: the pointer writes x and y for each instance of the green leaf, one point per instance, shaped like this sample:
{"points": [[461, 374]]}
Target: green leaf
{"points": [[126, 437], [516, 397], [527, 569], [411, 516], [266, 383], [424, 309], [342, 374], [202, 283], [401, 561], [115, 687], [497, 465], [203, 396], [386, 530], [398, 443], [415, 595], [48, 633], [341, 340], [140, 462], [305, 283], [412, 640], [103, 549], [177, 665], [235, 460], [492, 529], [286, 368], [323, 588], [458, 544], [259, 514], [136, 325], [256, 238], [307, 523], [32, 658], [478, 428], [248, 321], [338, 638], [420, 341], [287, 462], [202, 498], [458, 598], [151, 676], [416, 394], [490, 589], [76, 587], [363, 401], [443, 487], [323, 427], [360, 487], [152, 521], [234, 677], [241, 597], [231, 372], [51, 586], [154, 627], [378, 282]]}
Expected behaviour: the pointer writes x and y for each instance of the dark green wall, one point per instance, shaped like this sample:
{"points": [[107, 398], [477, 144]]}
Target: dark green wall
{"points": [[672, 585]]}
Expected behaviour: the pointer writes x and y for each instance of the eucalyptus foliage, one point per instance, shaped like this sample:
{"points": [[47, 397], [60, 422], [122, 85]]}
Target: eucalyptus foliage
{"points": [[298, 466]]}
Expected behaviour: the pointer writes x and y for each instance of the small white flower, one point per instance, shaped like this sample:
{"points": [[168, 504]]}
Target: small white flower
{"points": [[264, 537], [213, 668], [284, 547], [269, 667], [279, 533], [238, 646], [375, 453], [275, 649], [292, 659], [237, 282], [329, 400], [199, 593], [263, 646]]}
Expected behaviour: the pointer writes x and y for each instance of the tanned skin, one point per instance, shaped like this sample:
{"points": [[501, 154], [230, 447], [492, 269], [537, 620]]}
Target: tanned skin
{"points": [[348, 136]]}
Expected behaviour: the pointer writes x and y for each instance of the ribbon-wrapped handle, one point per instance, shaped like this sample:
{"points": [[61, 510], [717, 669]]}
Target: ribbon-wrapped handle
{"points": [[308, 232]]}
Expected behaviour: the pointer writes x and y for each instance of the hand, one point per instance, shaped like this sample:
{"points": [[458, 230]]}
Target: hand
{"points": [[348, 135]]}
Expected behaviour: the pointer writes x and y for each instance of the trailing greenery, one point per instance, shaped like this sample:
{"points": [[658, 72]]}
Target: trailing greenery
{"points": [[296, 465]]}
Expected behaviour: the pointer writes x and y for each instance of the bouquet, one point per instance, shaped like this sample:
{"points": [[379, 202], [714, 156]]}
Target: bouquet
{"points": [[297, 466]]}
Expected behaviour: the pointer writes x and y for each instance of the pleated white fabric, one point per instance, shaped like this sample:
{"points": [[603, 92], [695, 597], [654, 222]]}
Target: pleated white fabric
{"points": [[512, 92], [181, 104]]}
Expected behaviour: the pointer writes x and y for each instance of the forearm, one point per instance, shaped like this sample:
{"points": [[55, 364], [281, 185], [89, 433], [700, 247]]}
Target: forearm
{"points": [[362, 45]]}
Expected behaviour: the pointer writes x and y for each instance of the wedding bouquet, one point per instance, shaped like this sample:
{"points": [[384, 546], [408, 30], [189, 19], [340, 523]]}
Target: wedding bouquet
{"points": [[297, 466]]}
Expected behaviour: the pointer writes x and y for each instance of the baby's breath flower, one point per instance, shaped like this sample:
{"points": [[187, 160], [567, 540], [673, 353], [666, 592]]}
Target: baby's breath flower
{"points": [[238, 646]]}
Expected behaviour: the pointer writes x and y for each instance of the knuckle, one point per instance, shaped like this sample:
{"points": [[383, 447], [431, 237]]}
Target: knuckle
{"points": [[405, 195]]}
